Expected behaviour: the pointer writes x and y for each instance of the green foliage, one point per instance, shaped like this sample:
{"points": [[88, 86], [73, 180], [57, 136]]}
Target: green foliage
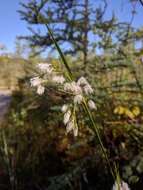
{"points": [[32, 118], [71, 22], [11, 70], [35, 151]]}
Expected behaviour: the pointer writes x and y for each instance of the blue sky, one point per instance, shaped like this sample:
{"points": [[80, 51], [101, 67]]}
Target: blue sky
{"points": [[11, 25]]}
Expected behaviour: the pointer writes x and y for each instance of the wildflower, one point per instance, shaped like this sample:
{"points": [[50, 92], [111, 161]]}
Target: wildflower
{"points": [[136, 110], [122, 186], [92, 105], [45, 67], [73, 87], [67, 116], [86, 86], [78, 99], [76, 89], [82, 81], [88, 89], [64, 108], [67, 86], [40, 90], [119, 110], [75, 131], [58, 79], [35, 81], [70, 126]]}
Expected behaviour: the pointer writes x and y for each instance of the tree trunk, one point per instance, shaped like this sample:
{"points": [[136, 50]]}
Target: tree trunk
{"points": [[85, 38]]}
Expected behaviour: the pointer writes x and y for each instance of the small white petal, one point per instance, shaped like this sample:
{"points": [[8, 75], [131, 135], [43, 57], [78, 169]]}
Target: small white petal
{"points": [[70, 126], [75, 131], [92, 105], [64, 108], [35, 81], [45, 67], [82, 81], [67, 116], [58, 79], [67, 86], [73, 87], [40, 90], [88, 89], [123, 186], [78, 99]]}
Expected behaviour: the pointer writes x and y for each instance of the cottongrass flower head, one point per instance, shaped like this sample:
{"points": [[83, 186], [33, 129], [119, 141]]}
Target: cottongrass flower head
{"points": [[72, 127], [92, 105], [88, 89], [45, 67], [67, 86], [40, 89], [77, 89], [82, 81], [58, 79], [35, 81], [121, 186], [75, 131], [78, 99], [67, 116], [64, 108], [73, 87], [85, 85], [69, 120]]}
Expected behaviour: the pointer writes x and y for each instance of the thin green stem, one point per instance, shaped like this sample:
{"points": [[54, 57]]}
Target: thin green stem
{"points": [[70, 77], [96, 131], [60, 53]]}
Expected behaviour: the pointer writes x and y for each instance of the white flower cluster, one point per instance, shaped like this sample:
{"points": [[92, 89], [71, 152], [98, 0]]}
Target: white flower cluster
{"points": [[85, 85], [49, 73], [37, 82], [69, 120], [122, 186], [45, 68], [58, 79], [81, 86], [78, 90]]}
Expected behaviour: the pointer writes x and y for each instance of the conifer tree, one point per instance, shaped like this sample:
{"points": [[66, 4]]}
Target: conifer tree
{"points": [[70, 20]]}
